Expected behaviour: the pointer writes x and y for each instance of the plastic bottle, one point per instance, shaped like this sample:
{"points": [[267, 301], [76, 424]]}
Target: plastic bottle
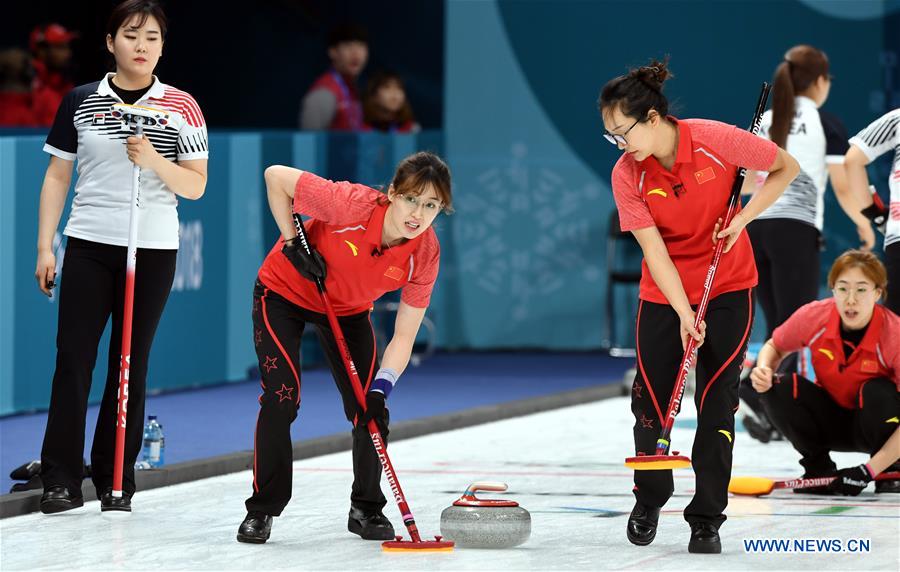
{"points": [[153, 443]]}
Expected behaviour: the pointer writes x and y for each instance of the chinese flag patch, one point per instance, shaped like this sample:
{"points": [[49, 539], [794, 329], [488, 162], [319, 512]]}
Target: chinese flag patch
{"points": [[868, 366], [394, 273], [706, 174]]}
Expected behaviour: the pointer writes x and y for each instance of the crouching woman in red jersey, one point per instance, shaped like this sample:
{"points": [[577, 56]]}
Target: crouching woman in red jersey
{"points": [[371, 243], [854, 404], [671, 186]]}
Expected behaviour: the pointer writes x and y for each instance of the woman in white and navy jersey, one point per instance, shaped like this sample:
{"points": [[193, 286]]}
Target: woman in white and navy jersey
{"points": [[173, 160], [880, 137], [786, 237]]}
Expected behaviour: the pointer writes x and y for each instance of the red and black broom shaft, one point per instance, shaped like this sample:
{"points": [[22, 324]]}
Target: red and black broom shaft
{"points": [[355, 382], [662, 444], [127, 314]]}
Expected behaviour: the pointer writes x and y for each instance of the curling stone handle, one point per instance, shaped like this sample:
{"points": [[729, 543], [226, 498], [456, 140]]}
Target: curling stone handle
{"points": [[485, 486], [469, 498]]}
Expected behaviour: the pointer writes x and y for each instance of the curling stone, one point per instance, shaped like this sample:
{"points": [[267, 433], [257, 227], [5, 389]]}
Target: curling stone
{"points": [[472, 522]]}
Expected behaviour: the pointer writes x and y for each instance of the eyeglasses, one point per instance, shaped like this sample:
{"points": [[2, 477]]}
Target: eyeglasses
{"points": [[619, 139], [431, 206], [843, 292]]}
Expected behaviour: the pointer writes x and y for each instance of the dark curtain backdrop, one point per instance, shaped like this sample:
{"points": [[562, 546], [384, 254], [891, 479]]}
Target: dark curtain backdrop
{"points": [[249, 66]]}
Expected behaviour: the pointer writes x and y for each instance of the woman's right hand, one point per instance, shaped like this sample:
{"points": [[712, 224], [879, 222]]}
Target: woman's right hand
{"points": [[761, 378], [45, 273], [688, 331], [866, 237]]}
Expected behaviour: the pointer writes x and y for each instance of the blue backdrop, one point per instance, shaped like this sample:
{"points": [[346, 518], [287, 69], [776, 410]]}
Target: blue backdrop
{"points": [[204, 335], [524, 260], [531, 167]]}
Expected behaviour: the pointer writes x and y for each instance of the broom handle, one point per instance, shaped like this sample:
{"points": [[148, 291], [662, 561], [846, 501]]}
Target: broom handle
{"points": [[662, 444], [356, 384]]}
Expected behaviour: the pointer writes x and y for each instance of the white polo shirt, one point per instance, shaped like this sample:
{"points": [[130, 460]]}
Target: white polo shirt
{"points": [[85, 130], [881, 136], [816, 139]]}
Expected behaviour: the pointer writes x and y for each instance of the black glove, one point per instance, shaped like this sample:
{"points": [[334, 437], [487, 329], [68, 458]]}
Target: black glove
{"points": [[877, 215], [310, 267], [375, 407], [851, 481]]}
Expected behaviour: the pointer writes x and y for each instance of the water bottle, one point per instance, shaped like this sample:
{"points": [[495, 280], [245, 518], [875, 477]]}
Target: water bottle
{"points": [[153, 443]]}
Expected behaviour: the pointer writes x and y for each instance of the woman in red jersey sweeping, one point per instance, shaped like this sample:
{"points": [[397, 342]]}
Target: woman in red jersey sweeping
{"points": [[671, 187], [366, 243]]}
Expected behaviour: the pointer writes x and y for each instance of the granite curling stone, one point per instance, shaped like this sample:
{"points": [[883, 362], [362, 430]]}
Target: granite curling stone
{"points": [[472, 522]]}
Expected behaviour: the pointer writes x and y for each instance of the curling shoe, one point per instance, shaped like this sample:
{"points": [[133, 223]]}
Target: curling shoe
{"points": [[109, 503], [256, 528], [370, 525], [704, 539], [642, 524], [58, 499]]}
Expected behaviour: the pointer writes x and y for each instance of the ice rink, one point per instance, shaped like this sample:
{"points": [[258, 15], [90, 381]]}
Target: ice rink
{"points": [[564, 466]]}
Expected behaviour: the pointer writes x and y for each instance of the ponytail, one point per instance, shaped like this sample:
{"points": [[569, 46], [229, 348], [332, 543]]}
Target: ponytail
{"points": [[782, 104], [802, 66]]}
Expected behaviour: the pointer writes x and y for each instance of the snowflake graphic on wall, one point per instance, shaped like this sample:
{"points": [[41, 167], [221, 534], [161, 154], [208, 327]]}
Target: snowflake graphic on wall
{"points": [[529, 232]]}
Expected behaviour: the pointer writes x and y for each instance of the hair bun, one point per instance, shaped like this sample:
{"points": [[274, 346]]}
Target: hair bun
{"points": [[654, 74]]}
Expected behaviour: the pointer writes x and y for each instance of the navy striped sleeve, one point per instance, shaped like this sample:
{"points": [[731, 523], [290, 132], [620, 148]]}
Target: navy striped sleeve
{"points": [[62, 141], [836, 145]]}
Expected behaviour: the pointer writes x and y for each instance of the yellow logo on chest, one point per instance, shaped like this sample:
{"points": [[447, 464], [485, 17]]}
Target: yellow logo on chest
{"points": [[828, 353], [352, 246]]}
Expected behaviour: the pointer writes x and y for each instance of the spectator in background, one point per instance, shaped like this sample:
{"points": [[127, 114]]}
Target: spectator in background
{"points": [[15, 89], [333, 101], [385, 107], [52, 52]]}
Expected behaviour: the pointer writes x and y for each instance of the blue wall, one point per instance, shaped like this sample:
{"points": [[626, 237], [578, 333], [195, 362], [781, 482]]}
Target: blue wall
{"points": [[204, 335], [525, 139]]}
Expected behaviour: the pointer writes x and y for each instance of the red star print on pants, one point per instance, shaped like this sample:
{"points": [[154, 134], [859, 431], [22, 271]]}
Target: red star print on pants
{"points": [[645, 422], [257, 338], [284, 393], [270, 364], [636, 388]]}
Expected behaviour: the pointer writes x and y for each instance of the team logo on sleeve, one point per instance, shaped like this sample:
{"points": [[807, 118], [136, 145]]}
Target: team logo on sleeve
{"points": [[705, 175]]}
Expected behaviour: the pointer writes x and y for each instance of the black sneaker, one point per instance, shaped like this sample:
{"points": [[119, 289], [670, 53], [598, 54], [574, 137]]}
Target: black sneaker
{"points": [[58, 499], [370, 525], [115, 504], [256, 528], [704, 539], [642, 524]]}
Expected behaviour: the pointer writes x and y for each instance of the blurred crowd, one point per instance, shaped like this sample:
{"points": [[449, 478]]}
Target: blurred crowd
{"points": [[34, 81]]}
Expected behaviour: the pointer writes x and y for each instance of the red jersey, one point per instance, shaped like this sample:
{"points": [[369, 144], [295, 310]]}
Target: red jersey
{"points": [[47, 92], [685, 203], [16, 109], [346, 230], [348, 116], [817, 325]]}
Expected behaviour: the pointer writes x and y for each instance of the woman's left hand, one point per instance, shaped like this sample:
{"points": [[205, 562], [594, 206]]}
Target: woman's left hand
{"points": [[141, 152], [730, 234]]}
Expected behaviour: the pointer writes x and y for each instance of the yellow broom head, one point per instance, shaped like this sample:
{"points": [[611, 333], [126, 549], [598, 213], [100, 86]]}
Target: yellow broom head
{"points": [[657, 462], [750, 486]]}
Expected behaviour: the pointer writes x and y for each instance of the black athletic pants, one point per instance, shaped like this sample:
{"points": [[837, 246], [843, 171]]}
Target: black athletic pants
{"points": [[92, 287], [892, 261], [815, 424], [278, 325], [786, 252], [719, 360]]}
